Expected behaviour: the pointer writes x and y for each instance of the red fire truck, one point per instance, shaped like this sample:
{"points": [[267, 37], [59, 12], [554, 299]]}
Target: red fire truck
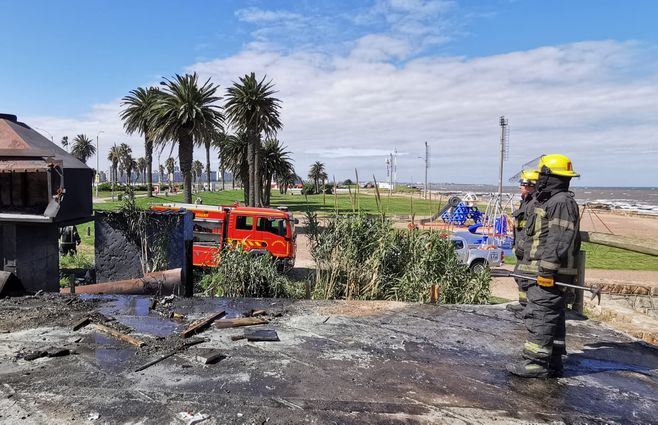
{"points": [[257, 230]]}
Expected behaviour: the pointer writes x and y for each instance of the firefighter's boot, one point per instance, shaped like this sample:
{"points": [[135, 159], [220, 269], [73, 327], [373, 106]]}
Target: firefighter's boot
{"points": [[555, 363], [530, 369], [555, 366], [517, 309]]}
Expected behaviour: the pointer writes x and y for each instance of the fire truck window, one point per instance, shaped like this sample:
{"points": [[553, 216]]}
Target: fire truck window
{"points": [[276, 226], [244, 222]]}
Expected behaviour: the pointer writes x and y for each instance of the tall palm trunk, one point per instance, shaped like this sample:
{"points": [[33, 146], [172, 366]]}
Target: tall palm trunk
{"points": [[243, 174], [185, 148], [258, 183], [222, 171], [268, 189], [148, 145], [113, 176], [208, 161], [250, 182]]}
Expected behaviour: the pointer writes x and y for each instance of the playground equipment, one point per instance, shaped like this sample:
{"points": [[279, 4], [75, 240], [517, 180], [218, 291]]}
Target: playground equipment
{"points": [[496, 224], [461, 213]]}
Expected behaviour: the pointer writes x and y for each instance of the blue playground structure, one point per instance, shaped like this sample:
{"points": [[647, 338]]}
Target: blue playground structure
{"points": [[461, 213]]}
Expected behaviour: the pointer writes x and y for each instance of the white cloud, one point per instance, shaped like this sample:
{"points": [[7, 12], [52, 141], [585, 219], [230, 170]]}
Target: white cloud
{"points": [[580, 98], [257, 15], [595, 101], [377, 47]]}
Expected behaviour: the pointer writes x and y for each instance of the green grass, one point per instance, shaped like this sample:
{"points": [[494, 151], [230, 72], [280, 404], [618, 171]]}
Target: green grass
{"points": [[85, 256], [608, 258], [598, 256], [398, 204], [394, 205]]}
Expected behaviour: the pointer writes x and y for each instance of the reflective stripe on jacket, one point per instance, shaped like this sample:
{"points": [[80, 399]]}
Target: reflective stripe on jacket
{"points": [[552, 237], [521, 217]]}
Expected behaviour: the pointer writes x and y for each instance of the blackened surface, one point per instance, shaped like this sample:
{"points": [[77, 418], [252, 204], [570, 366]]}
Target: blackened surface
{"points": [[336, 362], [118, 255]]}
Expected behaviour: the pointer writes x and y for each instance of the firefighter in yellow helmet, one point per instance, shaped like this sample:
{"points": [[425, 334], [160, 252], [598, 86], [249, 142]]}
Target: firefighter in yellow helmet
{"points": [[527, 180], [552, 241]]}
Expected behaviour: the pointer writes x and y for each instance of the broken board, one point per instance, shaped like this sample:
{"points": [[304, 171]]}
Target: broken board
{"points": [[243, 321]]}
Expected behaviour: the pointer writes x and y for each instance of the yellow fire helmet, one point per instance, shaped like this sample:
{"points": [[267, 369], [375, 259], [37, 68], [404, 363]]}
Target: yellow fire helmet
{"points": [[528, 177], [557, 164]]}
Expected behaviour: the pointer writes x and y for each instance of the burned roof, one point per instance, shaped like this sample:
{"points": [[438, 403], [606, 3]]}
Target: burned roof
{"points": [[19, 140]]}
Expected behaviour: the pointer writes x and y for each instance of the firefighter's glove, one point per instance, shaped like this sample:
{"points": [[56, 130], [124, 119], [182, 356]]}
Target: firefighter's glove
{"points": [[545, 281]]}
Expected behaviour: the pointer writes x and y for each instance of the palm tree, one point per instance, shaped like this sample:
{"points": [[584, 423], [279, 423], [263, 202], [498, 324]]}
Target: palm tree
{"points": [[142, 168], [161, 171], [114, 156], [65, 142], [197, 172], [83, 148], [287, 180], [185, 112], [252, 109], [136, 117], [275, 162], [125, 160], [233, 155], [217, 142], [316, 174], [131, 165], [170, 164], [208, 143]]}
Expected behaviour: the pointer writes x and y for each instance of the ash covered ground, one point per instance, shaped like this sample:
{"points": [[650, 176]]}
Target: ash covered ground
{"points": [[335, 362]]}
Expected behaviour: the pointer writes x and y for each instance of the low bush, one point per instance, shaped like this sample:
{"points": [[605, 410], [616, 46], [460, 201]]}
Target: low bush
{"points": [[361, 257], [241, 274], [77, 261]]}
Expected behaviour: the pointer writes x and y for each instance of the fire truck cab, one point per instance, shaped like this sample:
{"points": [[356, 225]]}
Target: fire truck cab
{"points": [[257, 230]]}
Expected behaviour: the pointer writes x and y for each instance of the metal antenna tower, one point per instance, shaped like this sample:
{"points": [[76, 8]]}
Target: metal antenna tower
{"points": [[395, 166], [427, 165], [504, 152]]}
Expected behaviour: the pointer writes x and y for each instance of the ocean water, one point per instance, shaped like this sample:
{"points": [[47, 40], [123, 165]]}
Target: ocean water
{"points": [[639, 199]]}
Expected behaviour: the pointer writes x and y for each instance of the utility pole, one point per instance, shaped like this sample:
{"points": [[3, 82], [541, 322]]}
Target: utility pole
{"points": [[390, 180], [98, 153], [427, 165], [503, 154], [46, 131], [395, 167]]}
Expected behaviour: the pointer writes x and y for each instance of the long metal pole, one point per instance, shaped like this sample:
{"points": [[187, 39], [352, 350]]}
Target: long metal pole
{"points": [[98, 154], [503, 124], [98, 177], [390, 182], [426, 167]]}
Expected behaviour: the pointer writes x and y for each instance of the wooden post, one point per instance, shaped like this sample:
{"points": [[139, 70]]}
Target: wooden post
{"points": [[187, 276], [580, 281], [435, 293]]}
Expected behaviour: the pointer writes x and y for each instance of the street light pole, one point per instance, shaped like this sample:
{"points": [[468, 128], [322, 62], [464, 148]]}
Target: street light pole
{"points": [[51, 136], [98, 153]]}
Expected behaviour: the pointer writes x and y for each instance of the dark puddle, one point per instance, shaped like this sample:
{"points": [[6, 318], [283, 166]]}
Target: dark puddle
{"points": [[133, 311], [234, 307], [111, 354], [584, 365]]}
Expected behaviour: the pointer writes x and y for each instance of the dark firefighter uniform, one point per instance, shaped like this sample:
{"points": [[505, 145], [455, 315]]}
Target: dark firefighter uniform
{"points": [[69, 239], [552, 242], [527, 181]]}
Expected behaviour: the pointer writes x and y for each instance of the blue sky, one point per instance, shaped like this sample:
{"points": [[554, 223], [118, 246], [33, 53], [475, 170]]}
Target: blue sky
{"points": [[358, 79]]}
